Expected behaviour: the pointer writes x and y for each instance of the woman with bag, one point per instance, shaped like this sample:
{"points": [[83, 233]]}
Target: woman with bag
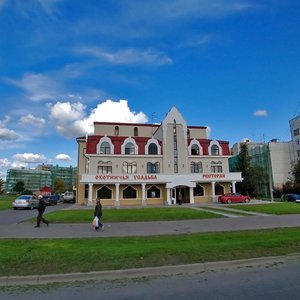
{"points": [[98, 214]]}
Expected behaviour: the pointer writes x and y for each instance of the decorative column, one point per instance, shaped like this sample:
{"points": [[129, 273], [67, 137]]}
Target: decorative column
{"points": [[192, 201], [168, 197], [144, 194], [117, 201], [90, 196], [233, 186], [213, 183]]}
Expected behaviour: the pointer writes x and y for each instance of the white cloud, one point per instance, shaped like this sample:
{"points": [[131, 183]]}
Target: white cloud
{"points": [[19, 165], [261, 113], [71, 121], [8, 134], [128, 56], [32, 120], [29, 158], [62, 156], [38, 87], [4, 163]]}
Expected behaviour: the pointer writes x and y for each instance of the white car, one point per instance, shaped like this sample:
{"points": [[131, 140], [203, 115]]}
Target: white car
{"points": [[26, 202], [68, 197]]}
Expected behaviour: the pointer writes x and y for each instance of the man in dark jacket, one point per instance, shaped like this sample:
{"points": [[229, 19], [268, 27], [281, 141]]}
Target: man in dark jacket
{"points": [[41, 209]]}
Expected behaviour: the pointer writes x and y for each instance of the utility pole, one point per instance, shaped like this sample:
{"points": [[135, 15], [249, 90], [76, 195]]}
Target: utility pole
{"points": [[270, 172]]}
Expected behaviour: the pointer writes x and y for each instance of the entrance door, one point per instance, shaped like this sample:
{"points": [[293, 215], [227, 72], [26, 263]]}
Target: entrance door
{"points": [[183, 195]]}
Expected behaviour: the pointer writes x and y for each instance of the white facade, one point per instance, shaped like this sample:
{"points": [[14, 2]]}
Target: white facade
{"points": [[149, 164]]}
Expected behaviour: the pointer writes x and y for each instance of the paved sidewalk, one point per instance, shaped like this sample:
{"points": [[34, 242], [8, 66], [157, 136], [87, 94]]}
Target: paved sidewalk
{"points": [[25, 230]]}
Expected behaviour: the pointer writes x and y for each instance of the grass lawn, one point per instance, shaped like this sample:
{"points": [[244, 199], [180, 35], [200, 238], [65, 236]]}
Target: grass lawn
{"points": [[276, 208], [28, 257], [6, 201], [129, 215]]}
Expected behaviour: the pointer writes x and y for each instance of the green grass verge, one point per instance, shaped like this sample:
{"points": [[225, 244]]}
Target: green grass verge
{"points": [[6, 201], [28, 257], [281, 208], [129, 215]]}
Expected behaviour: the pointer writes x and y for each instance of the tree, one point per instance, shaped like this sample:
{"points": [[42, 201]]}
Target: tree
{"points": [[19, 187], [295, 179], [258, 179], [1, 186], [243, 166], [59, 186]]}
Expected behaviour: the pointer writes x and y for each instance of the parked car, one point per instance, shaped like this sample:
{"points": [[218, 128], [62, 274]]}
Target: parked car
{"points": [[68, 197], [25, 201], [291, 198], [233, 198], [50, 200]]}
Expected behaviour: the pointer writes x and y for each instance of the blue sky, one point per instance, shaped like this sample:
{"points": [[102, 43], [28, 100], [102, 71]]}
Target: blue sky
{"points": [[233, 66]]}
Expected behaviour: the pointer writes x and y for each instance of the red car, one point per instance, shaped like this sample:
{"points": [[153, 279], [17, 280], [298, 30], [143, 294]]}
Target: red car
{"points": [[233, 198]]}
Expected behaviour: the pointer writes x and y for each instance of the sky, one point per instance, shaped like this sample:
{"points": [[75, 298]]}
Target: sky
{"points": [[230, 65]]}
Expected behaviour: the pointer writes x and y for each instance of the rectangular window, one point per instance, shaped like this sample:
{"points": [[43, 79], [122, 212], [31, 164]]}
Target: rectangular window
{"points": [[298, 153], [104, 170], [216, 169], [296, 132]]}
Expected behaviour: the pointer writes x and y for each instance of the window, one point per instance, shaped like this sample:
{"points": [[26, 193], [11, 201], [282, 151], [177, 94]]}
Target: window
{"points": [[296, 132], [153, 192], [195, 150], [175, 151], [219, 190], [86, 191], [129, 148], [135, 131], [298, 153], [105, 148], [152, 149], [215, 150], [198, 190], [129, 167], [216, 169], [116, 130], [129, 193], [104, 167], [196, 167], [104, 193], [188, 134], [153, 167]]}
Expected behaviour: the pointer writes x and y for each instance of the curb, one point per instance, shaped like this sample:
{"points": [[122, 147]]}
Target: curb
{"points": [[145, 272]]}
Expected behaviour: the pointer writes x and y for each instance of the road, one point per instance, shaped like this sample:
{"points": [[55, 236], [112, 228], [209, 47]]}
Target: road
{"points": [[12, 216], [267, 281]]}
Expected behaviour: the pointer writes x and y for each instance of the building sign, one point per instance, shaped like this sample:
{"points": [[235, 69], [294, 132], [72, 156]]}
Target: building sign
{"points": [[213, 176], [125, 177]]}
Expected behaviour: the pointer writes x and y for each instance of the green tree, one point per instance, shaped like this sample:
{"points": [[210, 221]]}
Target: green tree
{"points": [[243, 166], [19, 187], [258, 179], [59, 186], [1, 186], [295, 172]]}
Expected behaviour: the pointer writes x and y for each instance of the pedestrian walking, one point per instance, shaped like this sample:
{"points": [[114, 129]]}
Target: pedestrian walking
{"points": [[41, 209], [98, 214]]}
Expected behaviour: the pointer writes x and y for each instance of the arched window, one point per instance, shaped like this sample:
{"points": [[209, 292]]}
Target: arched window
{"points": [[152, 149], [195, 149], [104, 193], [196, 167], [129, 193], [105, 148], [215, 150], [116, 130], [129, 167], [153, 167], [219, 189], [153, 192], [129, 148], [198, 190], [135, 131]]}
